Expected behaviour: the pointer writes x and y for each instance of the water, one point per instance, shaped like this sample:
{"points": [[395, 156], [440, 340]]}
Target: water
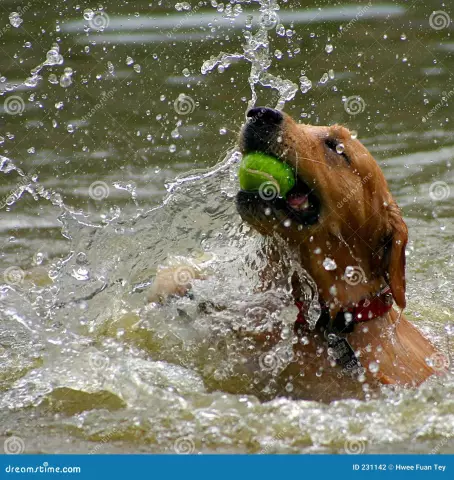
{"points": [[103, 116]]}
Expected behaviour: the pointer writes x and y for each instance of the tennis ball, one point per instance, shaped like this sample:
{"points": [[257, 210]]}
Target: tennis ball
{"points": [[259, 171]]}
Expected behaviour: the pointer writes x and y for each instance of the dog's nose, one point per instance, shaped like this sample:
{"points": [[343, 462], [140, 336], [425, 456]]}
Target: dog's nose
{"points": [[265, 115]]}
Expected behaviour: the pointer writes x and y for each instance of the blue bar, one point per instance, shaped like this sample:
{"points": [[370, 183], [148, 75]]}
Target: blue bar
{"points": [[229, 467]]}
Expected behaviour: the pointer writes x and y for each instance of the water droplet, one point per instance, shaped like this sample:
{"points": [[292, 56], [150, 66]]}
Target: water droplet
{"points": [[53, 79], [403, 36], [186, 72], [81, 273], [53, 57], [354, 134], [39, 258], [374, 367], [65, 81], [172, 148], [222, 131], [329, 48], [280, 30], [340, 148], [15, 20], [70, 128], [329, 264], [324, 79], [289, 387], [305, 84], [278, 54], [129, 61], [89, 14], [137, 68]]}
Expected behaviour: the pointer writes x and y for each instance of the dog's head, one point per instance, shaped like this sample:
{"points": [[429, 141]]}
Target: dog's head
{"points": [[340, 214]]}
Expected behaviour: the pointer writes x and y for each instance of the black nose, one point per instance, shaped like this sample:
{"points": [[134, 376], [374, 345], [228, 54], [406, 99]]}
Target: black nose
{"points": [[265, 115], [261, 130]]}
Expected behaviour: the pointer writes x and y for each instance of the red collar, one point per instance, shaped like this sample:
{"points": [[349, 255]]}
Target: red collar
{"points": [[366, 309]]}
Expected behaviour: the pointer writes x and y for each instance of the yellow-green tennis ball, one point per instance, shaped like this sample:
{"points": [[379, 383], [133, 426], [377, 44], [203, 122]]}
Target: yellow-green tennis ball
{"points": [[259, 171]]}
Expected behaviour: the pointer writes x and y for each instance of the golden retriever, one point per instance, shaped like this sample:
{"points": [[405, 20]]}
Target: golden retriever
{"points": [[346, 231]]}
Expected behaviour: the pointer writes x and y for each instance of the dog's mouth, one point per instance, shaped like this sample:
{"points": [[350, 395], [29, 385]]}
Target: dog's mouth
{"points": [[301, 205], [262, 134]]}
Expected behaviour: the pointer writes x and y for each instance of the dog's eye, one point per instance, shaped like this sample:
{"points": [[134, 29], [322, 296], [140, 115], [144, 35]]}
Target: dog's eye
{"points": [[336, 147]]}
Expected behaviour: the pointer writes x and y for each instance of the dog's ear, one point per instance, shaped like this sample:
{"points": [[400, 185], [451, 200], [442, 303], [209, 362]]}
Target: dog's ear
{"points": [[395, 255]]}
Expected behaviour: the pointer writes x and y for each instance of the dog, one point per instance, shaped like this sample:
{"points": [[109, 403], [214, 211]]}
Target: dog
{"points": [[344, 229]]}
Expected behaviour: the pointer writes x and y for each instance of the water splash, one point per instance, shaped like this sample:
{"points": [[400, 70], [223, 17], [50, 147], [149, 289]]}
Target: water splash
{"points": [[256, 51]]}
